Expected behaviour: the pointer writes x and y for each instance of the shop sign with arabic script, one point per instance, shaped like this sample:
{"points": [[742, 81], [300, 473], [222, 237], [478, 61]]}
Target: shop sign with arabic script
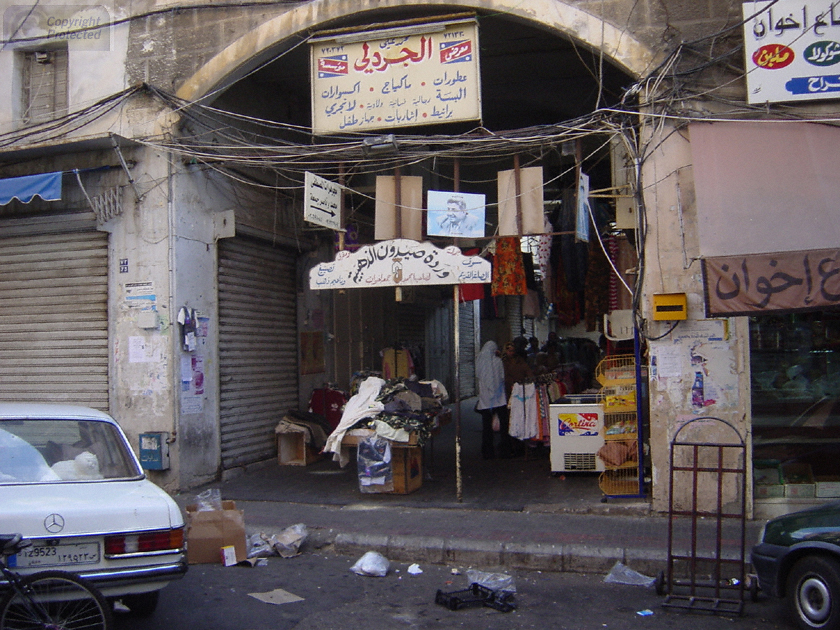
{"points": [[760, 283], [400, 262], [792, 50], [386, 81]]}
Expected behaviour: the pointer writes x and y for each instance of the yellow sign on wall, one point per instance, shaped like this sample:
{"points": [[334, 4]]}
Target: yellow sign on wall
{"points": [[419, 75]]}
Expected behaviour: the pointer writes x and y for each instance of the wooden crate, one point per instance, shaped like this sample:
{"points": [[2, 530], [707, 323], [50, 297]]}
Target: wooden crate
{"points": [[293, 451], [407, 468]]}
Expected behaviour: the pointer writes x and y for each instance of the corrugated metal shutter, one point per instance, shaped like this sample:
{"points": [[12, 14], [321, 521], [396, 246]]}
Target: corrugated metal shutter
{"points": [[54, 317], [258, 354], [466, 313]]}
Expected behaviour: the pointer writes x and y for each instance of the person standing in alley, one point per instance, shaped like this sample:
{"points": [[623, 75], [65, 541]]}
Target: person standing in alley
{"points": [[491, 396]]}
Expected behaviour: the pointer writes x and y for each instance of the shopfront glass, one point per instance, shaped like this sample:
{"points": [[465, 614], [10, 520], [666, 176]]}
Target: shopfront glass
{"points": [[795, 368]]}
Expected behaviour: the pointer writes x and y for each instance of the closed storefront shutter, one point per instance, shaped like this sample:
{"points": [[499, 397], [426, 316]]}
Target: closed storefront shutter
{"points": [[258, 358], [466, 314], [54, 314]]}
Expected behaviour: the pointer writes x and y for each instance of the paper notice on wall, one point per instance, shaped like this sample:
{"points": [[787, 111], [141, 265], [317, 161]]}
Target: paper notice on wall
{"points": [[669, 361], [143, 350]]}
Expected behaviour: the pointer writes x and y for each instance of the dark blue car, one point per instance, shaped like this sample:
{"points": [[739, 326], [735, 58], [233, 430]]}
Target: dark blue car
{"points": [[798, 557]]}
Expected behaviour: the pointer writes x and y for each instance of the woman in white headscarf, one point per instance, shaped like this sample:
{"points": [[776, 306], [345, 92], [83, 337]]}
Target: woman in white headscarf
{"points": [[491, 395]]}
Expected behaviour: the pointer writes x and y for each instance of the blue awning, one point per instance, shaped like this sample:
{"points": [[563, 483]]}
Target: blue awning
{"points": [[46, 185]]}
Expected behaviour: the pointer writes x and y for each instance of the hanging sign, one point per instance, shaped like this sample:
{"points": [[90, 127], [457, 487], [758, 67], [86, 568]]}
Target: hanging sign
{"points": [[792, 50], [322, 202], [455, 214], [760, 283], [400, 262], [399, 77]]}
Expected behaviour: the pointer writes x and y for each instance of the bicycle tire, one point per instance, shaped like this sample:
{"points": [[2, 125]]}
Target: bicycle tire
{"points": [[55, 599]]}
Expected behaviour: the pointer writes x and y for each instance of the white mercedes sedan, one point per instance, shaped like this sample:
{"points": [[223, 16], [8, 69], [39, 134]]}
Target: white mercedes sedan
{"points": [[70, 482]]}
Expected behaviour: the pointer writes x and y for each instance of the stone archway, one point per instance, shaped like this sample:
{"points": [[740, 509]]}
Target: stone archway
{"points": [[251, 50]]}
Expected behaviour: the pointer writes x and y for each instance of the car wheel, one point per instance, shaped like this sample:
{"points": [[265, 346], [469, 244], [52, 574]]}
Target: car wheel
{"points": [[813, 592], [141, 604]]}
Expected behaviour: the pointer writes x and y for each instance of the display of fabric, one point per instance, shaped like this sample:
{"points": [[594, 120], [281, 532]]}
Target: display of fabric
{"points": [[362, 405], [523, 412], [389, 408], [508, 271]]}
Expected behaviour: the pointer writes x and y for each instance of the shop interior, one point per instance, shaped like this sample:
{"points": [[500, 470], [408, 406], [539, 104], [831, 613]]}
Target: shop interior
{"points": [[795, 374]]}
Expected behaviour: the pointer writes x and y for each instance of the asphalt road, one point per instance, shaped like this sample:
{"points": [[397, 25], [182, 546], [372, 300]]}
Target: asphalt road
{"points": [[331, 596]]}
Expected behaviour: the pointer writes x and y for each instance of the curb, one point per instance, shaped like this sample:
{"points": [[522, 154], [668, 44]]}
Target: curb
{"points": [[526, 556]]}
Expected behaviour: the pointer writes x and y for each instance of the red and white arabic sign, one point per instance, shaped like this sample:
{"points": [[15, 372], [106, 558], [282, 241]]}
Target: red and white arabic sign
{"points": [[388, 81], [400, 262]]}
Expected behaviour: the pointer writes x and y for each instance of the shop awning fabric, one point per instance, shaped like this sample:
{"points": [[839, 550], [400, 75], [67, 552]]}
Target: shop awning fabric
{"points": [[47, 186]]}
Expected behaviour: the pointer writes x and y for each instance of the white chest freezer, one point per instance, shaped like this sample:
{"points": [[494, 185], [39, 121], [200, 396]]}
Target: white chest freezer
{"points": [[577, 432]]}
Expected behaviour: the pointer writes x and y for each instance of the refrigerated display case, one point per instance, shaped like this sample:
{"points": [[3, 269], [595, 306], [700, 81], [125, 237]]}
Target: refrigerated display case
{"points": [[577, 432]]}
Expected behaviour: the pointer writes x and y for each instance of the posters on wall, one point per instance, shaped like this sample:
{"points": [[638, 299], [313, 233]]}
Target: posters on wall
{"points": [[694, 365]]}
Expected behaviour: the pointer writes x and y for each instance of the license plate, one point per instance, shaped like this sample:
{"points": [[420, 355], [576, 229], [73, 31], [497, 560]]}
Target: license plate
{"points": [[70, 554]]}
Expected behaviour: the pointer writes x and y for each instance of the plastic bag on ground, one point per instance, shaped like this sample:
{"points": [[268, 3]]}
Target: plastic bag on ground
{"points": [[498, 582], [371, 564], [288, 542], [260, 546], [622, 574]]}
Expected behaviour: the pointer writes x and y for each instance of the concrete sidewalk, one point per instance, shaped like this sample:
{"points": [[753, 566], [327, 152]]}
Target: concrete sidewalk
{"points": [[513, 513]]}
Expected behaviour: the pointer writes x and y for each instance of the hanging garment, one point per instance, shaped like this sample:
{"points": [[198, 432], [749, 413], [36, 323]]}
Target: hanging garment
{"points": [[508, 271], [523, 411]]}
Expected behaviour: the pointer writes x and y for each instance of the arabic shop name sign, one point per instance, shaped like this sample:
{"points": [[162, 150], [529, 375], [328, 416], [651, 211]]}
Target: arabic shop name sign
{"points": [[792, 50], [399, 262], [396, 81], [789, 281]]}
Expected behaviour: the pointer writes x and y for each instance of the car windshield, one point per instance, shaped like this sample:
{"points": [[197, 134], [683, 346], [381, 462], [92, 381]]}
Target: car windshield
{"points": [[53, 451]]}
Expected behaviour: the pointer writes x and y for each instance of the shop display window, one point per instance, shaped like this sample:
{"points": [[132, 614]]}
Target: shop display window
{"points": [[795, 375]]}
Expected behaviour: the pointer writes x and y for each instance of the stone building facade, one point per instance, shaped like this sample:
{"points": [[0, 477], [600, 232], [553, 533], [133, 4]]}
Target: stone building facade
{"points": [[183, 136]]}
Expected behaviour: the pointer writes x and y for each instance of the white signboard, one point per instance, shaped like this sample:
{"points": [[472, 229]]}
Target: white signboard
{"points": [[386, 79], [322, 203], [792, 50], [400, 262], [455, 214]]}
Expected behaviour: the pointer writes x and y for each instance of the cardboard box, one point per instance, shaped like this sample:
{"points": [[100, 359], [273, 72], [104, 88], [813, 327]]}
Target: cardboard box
{"points": [[210, 530], [828, 487], [292, 450], [800, 490], [768, 491]]}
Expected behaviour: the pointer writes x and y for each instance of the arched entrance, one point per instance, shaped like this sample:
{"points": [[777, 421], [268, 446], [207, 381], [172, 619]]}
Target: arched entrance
{"points": [[541, 80]]}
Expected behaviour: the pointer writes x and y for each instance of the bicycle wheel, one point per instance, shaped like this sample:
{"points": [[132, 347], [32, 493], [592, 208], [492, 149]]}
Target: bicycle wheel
{"points": [[55, 600]]}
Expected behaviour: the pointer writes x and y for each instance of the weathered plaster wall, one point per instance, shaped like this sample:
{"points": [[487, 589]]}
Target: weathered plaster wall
{"points": [[143, 369], [714, 348]]}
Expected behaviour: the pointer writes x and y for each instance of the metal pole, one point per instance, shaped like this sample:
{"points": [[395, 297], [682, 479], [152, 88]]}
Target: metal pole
{"points": [[457, 339]]}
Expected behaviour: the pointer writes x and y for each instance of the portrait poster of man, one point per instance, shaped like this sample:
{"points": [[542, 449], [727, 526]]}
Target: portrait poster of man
{"points": [[455, 214]]}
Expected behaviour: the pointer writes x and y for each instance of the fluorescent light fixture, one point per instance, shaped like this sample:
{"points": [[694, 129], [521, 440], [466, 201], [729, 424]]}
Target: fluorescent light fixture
{"points": [[379, 145], [386, 33]]}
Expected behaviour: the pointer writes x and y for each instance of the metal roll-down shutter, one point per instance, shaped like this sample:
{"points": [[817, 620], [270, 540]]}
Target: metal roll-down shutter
{"points": [[258, 358], [54, 318]]}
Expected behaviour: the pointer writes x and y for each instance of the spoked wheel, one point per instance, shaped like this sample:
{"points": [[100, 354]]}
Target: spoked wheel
{"points": [[55, 600]]}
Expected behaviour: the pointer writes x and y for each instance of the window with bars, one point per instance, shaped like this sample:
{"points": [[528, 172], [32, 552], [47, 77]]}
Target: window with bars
{"points": [[44, 85]]}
